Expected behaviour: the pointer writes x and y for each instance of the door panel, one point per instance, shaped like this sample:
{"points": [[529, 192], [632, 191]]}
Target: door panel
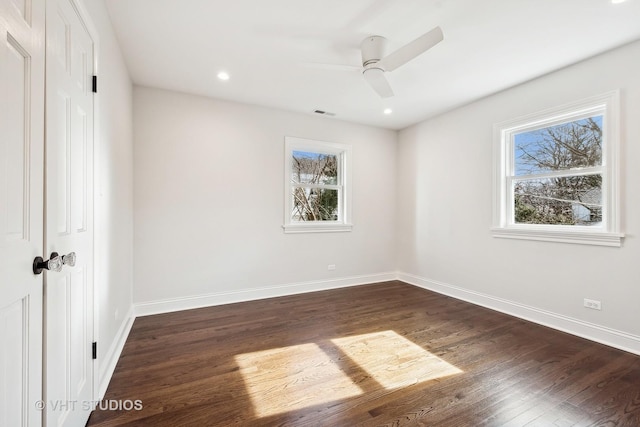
{"points": [[21, 7], [21, 209], [13, 366], [69, 202], [60, 161], [78, 187], [79, 335], [17, 144]]}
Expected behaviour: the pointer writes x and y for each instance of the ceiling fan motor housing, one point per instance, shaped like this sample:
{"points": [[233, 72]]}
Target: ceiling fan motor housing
{"points": [[373, 49]]}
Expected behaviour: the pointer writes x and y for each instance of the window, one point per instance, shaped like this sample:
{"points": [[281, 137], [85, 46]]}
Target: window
{"points": [[556, 174], [317, 186]]}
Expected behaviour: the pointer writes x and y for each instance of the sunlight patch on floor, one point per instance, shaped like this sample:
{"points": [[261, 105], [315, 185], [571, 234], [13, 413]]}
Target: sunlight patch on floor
{"points": [[392, 360], [290, 378]]}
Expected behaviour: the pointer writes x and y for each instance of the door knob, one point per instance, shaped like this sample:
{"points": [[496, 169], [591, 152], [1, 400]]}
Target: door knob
{"points": [[69, 259], [54, 263]]}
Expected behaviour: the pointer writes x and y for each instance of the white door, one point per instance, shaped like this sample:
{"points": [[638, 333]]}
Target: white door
{"points": [[21, 195], [69, 216]]}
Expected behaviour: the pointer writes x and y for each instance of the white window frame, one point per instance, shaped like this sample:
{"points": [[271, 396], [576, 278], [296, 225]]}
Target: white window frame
{"points": [[343, 153], [608, 232]]}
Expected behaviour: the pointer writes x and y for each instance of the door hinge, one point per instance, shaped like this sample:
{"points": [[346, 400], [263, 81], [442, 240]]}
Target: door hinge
{"points": [[94, 350], [94, 86]]}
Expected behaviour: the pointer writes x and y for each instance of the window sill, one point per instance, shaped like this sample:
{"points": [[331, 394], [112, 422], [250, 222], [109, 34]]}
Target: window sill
{"points": [[317, 228], [561, 236]]}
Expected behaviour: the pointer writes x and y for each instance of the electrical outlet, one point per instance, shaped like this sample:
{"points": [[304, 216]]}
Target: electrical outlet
{"points": [[331, 267], [593, 304]]}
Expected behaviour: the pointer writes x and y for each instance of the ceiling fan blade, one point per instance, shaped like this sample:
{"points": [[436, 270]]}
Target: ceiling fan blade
{"points": [[411, 50], [375, 77]]}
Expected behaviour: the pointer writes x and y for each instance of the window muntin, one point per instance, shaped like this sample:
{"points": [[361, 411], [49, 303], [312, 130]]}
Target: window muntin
{"points": [[316, 186], [556, 174]]}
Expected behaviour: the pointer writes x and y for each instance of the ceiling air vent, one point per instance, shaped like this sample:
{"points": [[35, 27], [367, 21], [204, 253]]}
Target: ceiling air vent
{"points": [[324, 113]]}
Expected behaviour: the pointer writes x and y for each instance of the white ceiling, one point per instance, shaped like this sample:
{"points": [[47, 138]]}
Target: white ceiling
{"points": [[272, 48]]}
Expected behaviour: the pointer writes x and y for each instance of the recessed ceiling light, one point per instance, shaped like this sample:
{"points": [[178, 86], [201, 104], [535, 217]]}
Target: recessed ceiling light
{"points": [[388, 111], [617, 1], [222, 75]]}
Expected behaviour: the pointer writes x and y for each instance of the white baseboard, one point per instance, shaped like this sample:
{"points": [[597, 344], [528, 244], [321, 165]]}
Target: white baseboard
{"points": [[110, 358], [611, 337], [219, 298]]}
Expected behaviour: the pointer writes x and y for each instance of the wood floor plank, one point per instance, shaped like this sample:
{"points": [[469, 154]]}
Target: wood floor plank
{"points": [[381, 354]]}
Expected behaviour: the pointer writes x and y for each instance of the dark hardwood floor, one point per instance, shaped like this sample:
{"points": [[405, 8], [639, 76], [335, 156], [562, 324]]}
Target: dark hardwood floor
{"points": [[386, 354]]}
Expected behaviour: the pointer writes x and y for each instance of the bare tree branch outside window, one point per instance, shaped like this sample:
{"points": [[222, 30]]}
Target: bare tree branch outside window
{"points": [[573, 199], [315, 191]]}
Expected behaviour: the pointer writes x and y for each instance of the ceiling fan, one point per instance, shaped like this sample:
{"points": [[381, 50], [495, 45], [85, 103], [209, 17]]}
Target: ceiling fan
{"points": [[374, 65]]}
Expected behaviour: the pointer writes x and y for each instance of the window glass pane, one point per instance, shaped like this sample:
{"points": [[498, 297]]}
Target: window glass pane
{"points": [[575, 200], [571, 145], [314, 204], [314, 168]]}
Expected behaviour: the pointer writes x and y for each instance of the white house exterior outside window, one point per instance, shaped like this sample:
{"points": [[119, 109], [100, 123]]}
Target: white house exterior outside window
{"points": [[317, 186], [556, 174]]}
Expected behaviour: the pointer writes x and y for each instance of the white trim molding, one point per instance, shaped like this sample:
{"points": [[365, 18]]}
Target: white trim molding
{"points": [[219, 298], [112, 355], [608, 336], [601, 334], [564, 236], [310, 227]]}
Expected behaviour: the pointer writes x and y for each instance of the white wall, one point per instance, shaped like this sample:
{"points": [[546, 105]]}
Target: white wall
{"points": [[209, 203], [113, 195], [445, 202]]}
